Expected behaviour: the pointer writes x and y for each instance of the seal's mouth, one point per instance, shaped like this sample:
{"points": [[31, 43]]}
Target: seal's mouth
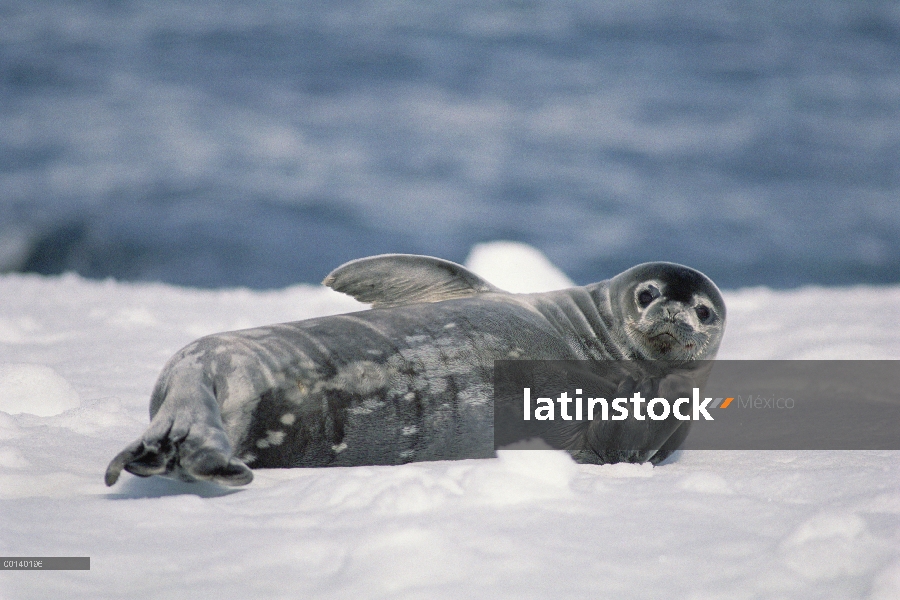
{"points": [[665, 338], [666, 342]]}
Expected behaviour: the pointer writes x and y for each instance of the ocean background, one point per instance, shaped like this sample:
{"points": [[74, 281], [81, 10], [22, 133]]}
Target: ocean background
{"points": [[261, 144]]}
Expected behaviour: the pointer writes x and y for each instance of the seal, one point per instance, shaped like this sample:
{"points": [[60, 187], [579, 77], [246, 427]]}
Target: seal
{"points": [[409, 379]]}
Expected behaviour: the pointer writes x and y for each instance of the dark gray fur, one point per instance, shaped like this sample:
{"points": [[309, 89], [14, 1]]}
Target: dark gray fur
{"points": [[408, 380]]}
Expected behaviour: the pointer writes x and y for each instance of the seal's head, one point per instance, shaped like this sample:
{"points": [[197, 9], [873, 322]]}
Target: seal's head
{"points": [[668, 311]]}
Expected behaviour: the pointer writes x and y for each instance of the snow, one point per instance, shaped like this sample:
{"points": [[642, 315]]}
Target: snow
{"points": [[78, 359]]}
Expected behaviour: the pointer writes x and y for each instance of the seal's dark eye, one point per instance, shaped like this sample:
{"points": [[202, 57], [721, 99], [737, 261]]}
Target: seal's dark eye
{"points": [[645, 297], [703, 313]]}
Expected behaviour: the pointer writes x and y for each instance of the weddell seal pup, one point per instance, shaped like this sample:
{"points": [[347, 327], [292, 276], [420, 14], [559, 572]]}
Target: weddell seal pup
{"points": [[411, 378]]}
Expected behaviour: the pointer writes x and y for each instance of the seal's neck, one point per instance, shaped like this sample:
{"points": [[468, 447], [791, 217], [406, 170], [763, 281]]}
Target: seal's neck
{"points": [[584, 317]]}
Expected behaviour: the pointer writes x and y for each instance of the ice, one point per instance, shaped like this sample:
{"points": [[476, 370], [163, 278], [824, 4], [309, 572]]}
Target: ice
{"points": [[705, 524]]}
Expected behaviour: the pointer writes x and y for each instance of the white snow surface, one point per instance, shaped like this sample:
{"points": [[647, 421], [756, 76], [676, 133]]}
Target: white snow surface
{"points": [[78, 359]]}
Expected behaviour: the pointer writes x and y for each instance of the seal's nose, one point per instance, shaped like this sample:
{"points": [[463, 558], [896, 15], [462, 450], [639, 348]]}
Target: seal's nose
{"points": [[672, 309]]}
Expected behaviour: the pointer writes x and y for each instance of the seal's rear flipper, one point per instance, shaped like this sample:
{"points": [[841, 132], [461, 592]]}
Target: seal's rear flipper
{"points": [[141, 459], [196, 455], [208, 464], [131, 456]]}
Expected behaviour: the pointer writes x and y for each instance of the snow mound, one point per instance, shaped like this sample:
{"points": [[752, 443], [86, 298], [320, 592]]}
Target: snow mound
{"points": [[35, 389], [516, 267]]}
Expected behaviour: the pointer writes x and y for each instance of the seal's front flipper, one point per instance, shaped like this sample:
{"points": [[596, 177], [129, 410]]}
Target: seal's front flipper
{"points": [[197, 454], [391, 280], [672, 444]]}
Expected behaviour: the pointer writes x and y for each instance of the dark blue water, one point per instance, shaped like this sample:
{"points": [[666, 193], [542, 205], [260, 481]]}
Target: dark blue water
{"points": [[263, 143]]}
